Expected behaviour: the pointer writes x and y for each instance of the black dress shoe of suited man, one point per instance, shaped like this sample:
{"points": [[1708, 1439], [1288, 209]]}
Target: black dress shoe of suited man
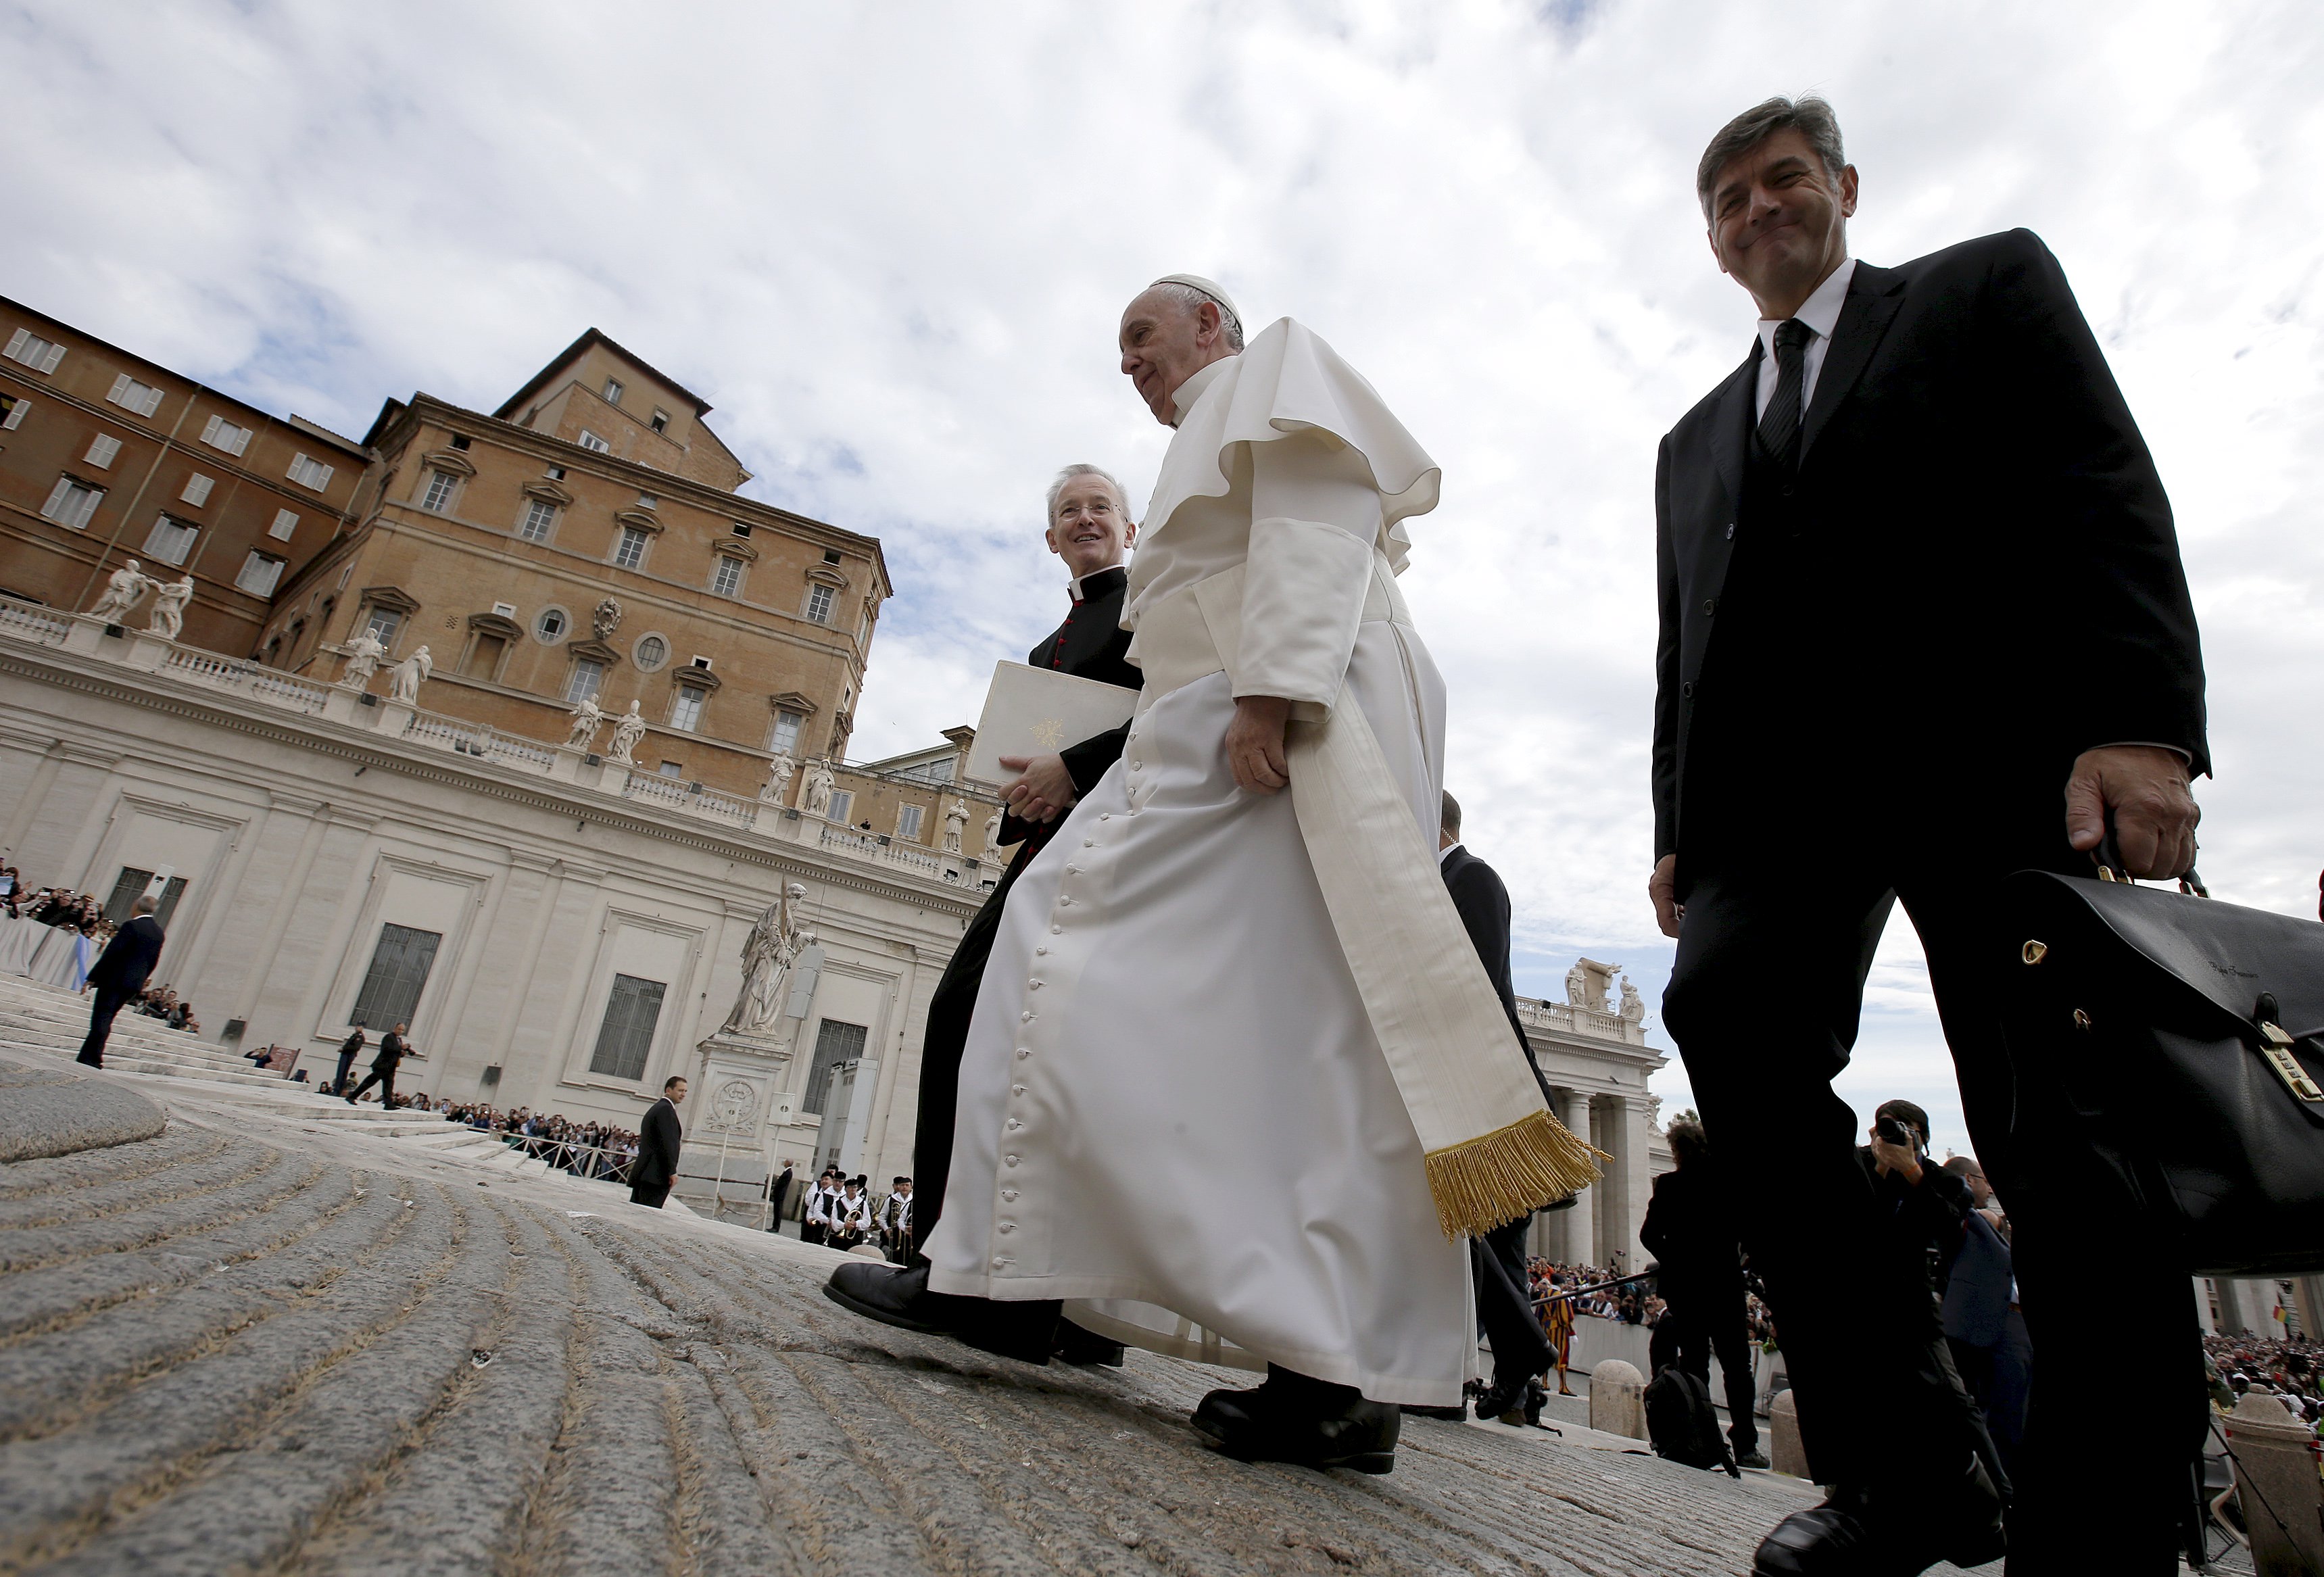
{"points": [[1292, 1418], [1893, 1531], [900, 1298]]}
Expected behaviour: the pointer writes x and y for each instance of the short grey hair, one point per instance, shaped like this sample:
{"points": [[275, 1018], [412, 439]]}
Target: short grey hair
{"points": [[143, 906], [1049, 514], [1807, 114], [1188, 297]]}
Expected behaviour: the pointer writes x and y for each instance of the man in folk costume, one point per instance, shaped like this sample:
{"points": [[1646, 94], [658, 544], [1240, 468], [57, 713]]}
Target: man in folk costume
{"points": [[1089, 527], [1237, 1086]]}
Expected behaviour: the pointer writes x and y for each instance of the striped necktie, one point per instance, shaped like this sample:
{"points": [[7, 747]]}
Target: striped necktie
{"points": [[1779, 427]]}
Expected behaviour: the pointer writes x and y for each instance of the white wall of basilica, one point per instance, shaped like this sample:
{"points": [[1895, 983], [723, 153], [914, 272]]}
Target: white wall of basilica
{"points": [[305, 830]]}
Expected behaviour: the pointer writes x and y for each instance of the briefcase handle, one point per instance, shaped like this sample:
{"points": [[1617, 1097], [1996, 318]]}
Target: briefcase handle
{"points": [[2111, 866]]}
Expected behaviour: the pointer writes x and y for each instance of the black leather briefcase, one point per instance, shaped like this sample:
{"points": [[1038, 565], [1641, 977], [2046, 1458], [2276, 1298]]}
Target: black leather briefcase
{"points": [[2187, 1035]]}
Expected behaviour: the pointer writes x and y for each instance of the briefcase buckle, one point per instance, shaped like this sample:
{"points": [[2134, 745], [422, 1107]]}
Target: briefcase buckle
{"points": [[2276, 1046]]}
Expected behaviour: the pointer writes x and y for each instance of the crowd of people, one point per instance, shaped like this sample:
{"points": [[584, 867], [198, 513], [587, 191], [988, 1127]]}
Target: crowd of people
{"points": [[2290, 1370], [842, 1212], [55, 935]]}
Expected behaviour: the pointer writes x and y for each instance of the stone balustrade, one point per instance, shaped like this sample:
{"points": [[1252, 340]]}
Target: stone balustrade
{"points": [[481, 745]]}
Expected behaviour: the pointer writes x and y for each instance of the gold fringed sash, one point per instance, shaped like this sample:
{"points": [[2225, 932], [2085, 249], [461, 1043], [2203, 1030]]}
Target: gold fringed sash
{"points": [[1494, 1150]]}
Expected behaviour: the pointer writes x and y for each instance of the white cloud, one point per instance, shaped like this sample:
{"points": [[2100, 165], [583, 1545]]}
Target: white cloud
{"points": [[890, 246]]}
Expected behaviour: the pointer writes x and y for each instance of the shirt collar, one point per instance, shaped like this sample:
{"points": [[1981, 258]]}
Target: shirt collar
{"points": [[1182, 403], [1094, 583], [1820, 312], [1446, 853]]}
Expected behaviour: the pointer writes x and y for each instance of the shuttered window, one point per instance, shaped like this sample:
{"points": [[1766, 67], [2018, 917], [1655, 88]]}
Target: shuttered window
{"points": [[131, 395], [398, 974], [685, 710], [71, 502], [590, 440], [171, 541], [221, 434], [102, 449], [908, 822], [834, 1043], [285, 522], [40, 354], [13, 412], [198, 489], [308, 472], [842, 804], [259, 574], [625, 1037], [783, 739]]}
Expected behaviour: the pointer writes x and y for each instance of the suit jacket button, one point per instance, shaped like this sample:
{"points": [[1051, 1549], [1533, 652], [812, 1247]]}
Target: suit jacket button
{"points": [[1709, 606], [1730, 530], [1687, 689]]}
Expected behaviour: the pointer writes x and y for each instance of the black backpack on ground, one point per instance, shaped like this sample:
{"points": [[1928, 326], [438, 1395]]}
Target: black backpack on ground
{"points": [[1681, 1424]]}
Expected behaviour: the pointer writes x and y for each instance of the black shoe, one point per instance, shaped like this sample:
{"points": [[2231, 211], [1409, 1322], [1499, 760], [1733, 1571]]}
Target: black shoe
{"points": [[1751, 1459], [1292, 1418], [1025, 1332], [1503, 1405], [1891, 1532], [1088, 1348]]}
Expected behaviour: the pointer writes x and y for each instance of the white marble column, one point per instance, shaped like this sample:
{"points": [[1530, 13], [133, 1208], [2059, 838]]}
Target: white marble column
{"points": [[1580, 1228]]}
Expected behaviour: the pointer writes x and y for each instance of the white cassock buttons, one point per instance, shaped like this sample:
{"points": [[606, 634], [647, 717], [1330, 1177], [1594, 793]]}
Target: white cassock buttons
{"points": [[1008, 1226], [1023, 1052], [1014, 1125], [1089, 842], [1025, 1016], [1105, 815], [1008, 1194], [1073, 871], [1016, 1089], [1011, 1159], [1032, 985], [1040, 952], [1056, 930]]}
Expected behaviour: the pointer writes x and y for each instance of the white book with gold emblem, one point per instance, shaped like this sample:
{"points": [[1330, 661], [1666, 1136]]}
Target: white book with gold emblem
{"points": [[1037, 711]]}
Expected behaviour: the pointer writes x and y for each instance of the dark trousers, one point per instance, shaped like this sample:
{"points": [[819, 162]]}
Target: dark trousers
{"points": [[1504, 1307], [384, 1077], [649, 1194], [101, 1013], [339, 1079], [2000, 1379], [941, 1050], [1876, 1390], [1692, 1329]]}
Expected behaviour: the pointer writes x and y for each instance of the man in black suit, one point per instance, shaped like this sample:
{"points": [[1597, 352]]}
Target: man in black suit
{"points": [[383, 1069], [1497, 1261], [659, 1138], [1090, 528], [1690, 1230], [1918, 581], [349, 1049], [119, 973]]}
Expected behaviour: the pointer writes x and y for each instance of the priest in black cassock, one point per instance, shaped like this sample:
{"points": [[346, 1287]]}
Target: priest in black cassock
{"points": [[1090, 528]]}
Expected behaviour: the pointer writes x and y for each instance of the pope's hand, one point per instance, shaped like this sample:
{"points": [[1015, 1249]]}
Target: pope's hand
{"points": [[1662, 887], [1255, 744], [1044, 789]]}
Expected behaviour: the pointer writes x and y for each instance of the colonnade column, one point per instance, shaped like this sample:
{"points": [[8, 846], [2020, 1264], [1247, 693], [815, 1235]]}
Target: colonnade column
{"points": [[1581, 1230]]}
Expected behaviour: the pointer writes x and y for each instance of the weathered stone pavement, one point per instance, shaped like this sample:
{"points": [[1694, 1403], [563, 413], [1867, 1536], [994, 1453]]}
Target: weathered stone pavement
{"points": [[258, 1344]]}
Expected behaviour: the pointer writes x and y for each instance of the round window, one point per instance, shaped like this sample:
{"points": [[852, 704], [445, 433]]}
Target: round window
{"points": [[550, 626], [652, 652]]}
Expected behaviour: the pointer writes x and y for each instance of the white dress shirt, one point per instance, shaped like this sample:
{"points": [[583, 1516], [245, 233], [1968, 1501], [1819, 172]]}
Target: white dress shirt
{"points": [[1820, 312]]}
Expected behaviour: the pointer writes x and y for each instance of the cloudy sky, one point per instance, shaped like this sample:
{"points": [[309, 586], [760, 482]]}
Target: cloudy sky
{"points": [[889, 244]]}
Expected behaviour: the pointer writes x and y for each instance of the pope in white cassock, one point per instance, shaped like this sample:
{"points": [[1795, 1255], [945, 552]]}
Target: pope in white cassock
{"points": [[1236, 1083]]}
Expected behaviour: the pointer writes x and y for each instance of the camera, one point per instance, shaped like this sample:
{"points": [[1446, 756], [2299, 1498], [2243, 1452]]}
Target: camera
{"points": [[1896, 1132]]}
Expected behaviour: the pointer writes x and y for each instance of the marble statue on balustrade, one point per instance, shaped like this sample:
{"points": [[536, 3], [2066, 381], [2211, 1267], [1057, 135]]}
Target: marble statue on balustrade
{"points": [[956, 823], [124, 588], [403, 679], [170, 600], [584, 720], [363, 653], [815, 798], [768, 953], [993, 830], [1634, 1006], [627, 731], [777, 785], [1577, 986]]}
